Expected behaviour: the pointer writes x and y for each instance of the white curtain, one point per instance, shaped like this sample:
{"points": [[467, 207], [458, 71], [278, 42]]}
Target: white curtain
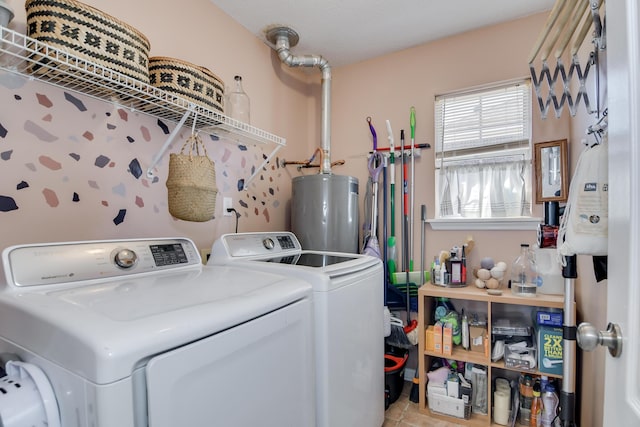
{"points": [[492, 188]]}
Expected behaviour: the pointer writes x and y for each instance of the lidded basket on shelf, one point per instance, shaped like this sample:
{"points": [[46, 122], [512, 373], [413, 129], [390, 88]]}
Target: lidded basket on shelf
{"points": [[194, 83], [89, 34]]}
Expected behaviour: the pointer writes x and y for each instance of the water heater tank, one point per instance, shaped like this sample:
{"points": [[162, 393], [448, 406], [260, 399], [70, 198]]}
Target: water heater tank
{"points": [[324, 212]]}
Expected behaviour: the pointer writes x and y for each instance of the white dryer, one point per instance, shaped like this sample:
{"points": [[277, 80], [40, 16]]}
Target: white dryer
{"points": [[348, 294], [139, 333]]}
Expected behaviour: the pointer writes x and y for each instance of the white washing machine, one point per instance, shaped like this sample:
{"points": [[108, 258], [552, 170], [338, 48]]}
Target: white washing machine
{"points": [[134, 333], [348, 294]]}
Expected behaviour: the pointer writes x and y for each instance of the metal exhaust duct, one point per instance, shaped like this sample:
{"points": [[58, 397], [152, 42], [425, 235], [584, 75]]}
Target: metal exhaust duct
{"points": [[282, 40]]}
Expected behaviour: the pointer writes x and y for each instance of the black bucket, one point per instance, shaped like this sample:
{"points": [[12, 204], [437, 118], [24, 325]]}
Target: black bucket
{"points": [[394, 376]]}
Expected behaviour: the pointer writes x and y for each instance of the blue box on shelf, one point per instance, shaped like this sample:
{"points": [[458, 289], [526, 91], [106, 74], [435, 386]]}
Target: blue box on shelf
{"points": [[549, 318]]}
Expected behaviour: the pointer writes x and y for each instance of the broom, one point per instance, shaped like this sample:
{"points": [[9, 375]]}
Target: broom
{"points": [[414, 394], [398, 337]]}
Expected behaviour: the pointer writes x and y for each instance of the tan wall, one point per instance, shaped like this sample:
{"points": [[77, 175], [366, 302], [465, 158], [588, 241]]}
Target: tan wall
{"points": [[386, 88]]}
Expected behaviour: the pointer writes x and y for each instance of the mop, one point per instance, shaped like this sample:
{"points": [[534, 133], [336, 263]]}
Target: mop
{"points": [[375, 166], [412, 123], [405, 228]]}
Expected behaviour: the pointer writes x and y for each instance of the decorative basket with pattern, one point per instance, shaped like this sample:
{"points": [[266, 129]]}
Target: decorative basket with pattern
{"points": [[90, 34], [191, 82], [191, 183]]}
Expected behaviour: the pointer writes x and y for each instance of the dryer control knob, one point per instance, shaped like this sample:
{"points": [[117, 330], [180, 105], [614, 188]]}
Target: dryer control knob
{"points": [[125, 258], [268, 243]]}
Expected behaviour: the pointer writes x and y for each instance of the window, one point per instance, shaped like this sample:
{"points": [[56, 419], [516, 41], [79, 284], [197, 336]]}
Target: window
{"points": [[483, 152]]}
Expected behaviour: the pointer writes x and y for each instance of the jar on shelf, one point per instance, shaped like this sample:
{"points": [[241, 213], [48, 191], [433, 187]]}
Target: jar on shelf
{"points": [[524, 275], [238, 102]]}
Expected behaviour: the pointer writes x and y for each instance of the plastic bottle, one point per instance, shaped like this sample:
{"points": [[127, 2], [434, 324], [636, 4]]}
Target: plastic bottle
{"points": [[463, 258], [238, 102], [536, 407], [456, 267], [526, 398], [435, 271], [544, 380], [550, 402], [524, 277]]}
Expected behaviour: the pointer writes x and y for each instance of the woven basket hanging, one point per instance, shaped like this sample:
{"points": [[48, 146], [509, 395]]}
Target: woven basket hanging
{"points": [[191, 183], [192, 82], [89, 34]]}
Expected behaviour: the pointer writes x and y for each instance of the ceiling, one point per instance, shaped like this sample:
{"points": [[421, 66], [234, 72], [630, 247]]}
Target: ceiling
{"points": [[349, 31]]}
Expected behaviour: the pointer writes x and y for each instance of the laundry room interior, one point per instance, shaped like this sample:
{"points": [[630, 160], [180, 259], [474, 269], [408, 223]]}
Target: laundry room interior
{"points": [[81, 164]]}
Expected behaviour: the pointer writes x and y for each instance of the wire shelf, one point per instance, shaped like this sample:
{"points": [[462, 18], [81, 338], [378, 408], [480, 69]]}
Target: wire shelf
{"points": [[33, 59]]}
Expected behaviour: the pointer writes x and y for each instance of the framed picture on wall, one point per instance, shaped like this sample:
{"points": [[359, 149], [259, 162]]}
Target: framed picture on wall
{"points": [[551, 165]]}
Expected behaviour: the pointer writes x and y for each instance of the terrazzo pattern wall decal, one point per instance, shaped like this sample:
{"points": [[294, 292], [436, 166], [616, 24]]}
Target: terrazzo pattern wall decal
{"points": [[44, 100], [7, 204], [75, 101], [39, 132], [51, 197], [119, 219], [83, 162]]}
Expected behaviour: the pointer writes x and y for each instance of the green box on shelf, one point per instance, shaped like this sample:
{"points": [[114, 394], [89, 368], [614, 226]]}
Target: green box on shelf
{"points": [[549, 350]]}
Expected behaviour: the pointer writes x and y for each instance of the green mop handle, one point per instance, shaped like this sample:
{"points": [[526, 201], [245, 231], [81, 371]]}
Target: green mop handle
{"points": [[412, 123], [392, 172]]}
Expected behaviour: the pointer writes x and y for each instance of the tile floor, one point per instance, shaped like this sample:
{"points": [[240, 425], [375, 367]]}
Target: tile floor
{"points": [[404, 413]]}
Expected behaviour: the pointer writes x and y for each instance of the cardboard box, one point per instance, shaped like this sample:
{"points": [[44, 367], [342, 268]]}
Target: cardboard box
{"points": [[437, 338], [429, 341], [447, 340], [477, 338], [549, 341]]}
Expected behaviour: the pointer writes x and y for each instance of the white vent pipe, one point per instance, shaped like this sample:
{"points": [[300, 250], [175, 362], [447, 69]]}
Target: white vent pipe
{"points": [[282, 40]]}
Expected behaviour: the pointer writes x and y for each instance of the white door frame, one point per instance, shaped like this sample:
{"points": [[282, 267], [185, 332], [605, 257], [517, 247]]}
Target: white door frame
{"points": [[622, 375]]}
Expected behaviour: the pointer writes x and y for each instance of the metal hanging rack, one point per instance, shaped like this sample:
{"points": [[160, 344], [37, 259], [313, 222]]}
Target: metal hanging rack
{"points": [[36, 60], [568, 19]]}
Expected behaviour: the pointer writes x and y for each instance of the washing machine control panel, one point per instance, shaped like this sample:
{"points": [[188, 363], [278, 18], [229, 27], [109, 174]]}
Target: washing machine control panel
{"points": [[251, 245], [60, 263]]}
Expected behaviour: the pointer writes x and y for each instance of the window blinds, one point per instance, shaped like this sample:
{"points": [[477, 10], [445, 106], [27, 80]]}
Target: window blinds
{"points": [[484, 118]]}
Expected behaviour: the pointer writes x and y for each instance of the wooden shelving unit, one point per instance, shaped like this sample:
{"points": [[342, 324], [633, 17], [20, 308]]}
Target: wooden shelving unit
{"points": [[492, 304]]}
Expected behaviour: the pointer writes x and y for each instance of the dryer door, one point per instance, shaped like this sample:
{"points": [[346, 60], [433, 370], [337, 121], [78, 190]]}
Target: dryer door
{"points": [[257, 373]]}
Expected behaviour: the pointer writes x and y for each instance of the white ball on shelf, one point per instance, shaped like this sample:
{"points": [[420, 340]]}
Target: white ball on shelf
{"points": [[497, 273], [484, 274]]}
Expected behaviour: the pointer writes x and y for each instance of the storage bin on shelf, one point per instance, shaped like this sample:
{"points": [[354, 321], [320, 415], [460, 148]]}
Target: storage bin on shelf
{"points": [[89, 34], [440, 403]]}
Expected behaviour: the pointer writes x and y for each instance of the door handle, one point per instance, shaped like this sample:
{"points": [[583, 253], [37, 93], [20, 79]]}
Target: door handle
{"points": [[589, 337]]}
